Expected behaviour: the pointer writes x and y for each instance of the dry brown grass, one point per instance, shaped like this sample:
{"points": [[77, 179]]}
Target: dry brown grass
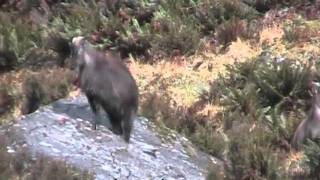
{"points": [[293, 163], [271, 34], [181, 79], [170, 93]]}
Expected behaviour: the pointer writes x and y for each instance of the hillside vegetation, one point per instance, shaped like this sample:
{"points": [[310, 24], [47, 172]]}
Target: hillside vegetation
{"points": [[231, 75]]}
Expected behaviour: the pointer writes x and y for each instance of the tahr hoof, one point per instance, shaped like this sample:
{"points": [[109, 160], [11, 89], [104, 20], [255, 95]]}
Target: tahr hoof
{"points": [[116, 131]]}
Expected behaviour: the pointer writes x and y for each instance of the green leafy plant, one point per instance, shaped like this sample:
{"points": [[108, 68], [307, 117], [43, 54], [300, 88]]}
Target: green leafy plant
{"points": [[178, 34], [299, 30], [250, 154], [18, 36], [264, 100], [206, 137], [311, 161], [81, 20], [6, 99]]}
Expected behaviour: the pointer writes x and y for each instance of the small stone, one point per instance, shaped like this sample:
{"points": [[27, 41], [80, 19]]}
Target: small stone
{"points": [[62, 121], [56, 150], [80, 120], [184, 139], [107, 168], [78, 126], [98, 137], [10, 150], [125, 172], [45, 144], [157, 153]]}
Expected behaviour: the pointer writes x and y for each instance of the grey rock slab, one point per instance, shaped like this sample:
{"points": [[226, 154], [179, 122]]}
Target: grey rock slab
{"points": [[62, 130]]}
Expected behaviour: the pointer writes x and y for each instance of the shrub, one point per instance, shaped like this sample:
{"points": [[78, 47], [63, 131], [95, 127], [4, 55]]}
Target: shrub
{"points": [[233, 29], [44, 87], [6, 99], [267, 90], [265, 5], [213, 13], [175, 33], [215, 172], [133, 40], [78, 20], [276, 82], [8, 60], [298, 30], [34, 94], [182, 38], [311, 160], [17, 36], [250, 155], [208, 139], [128, 34], [162, 110], [264, 99], [22, 6], [229, 31]]}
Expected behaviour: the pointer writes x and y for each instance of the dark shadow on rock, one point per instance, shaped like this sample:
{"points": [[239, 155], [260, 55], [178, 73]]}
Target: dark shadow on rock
{"points": [[72, 110]]}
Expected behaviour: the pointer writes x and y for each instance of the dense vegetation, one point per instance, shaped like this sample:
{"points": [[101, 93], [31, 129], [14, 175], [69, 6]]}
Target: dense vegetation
{"points": [[263, 98]]}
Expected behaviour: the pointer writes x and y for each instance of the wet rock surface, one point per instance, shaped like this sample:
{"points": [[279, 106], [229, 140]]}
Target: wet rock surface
{"points": [[63, 131]]}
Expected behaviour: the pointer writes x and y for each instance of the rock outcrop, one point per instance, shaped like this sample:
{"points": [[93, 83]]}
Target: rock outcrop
{"points": [[62, 130]]}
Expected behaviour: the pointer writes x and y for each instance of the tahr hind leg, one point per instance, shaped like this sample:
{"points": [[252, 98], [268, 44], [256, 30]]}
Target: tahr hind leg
{"points": [[115, 120], [127, 124], [94, 108]]}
